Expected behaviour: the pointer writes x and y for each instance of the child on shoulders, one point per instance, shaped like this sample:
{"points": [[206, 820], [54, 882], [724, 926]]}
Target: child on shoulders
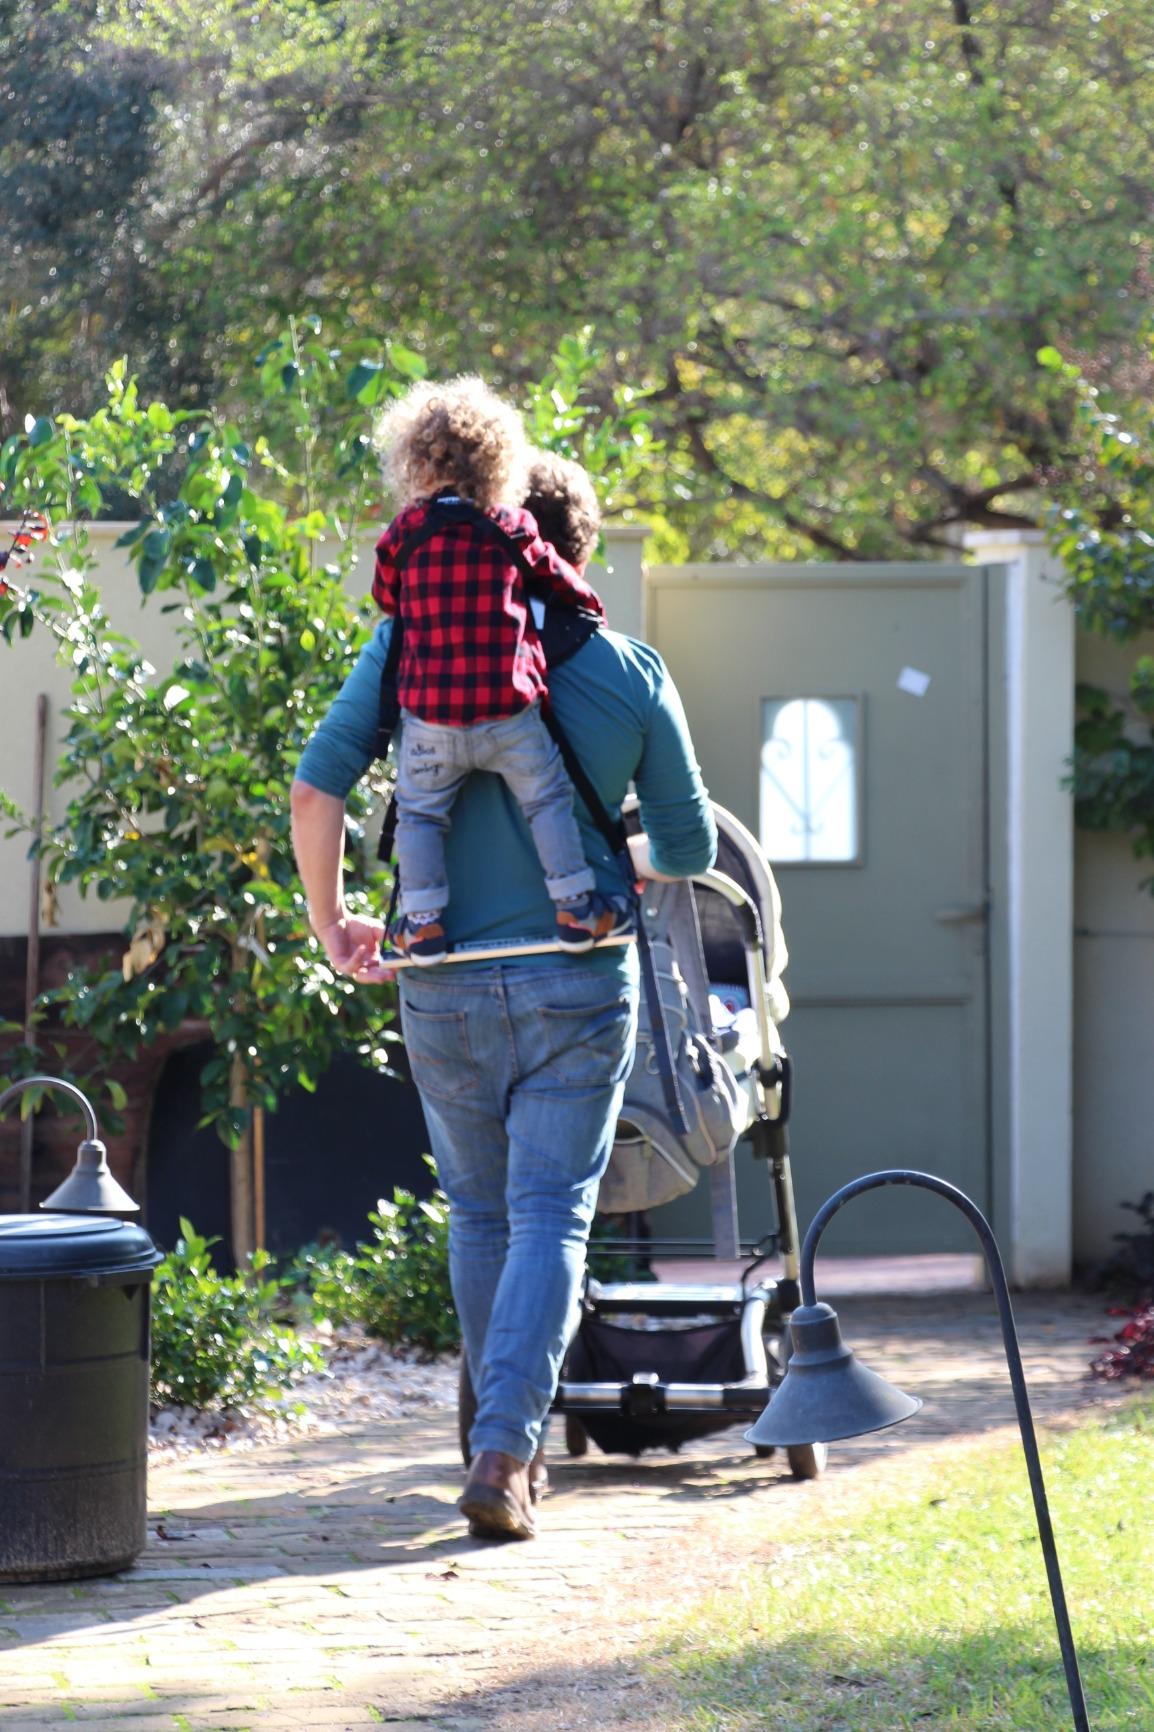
{"points": [[472, 674]]}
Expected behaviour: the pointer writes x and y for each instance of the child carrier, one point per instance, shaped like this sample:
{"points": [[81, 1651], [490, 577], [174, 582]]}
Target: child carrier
{"points": [[562, 630]]}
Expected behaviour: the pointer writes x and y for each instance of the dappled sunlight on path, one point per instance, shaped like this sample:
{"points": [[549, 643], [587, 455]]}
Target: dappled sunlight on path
{"points": [[328, 1582]]}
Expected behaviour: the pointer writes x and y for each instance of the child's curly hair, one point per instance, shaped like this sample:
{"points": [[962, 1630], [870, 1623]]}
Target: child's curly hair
{"points": [[457, 435], [561, 497]]}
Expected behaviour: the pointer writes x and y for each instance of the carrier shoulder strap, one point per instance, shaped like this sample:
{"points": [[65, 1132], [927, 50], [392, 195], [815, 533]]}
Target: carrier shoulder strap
{"points": [[389, 708], [614, 834]]}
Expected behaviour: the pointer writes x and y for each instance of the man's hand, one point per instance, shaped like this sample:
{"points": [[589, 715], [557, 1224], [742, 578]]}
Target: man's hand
{"points": [[643, 864], [353, 945]]}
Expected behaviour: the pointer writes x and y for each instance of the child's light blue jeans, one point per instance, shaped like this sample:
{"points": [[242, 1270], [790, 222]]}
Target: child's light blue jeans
{"points": [[521, 1072], [433, 761]]}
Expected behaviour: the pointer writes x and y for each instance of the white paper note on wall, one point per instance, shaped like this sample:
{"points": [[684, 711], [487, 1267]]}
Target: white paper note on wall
{"points": [[915, 682]]}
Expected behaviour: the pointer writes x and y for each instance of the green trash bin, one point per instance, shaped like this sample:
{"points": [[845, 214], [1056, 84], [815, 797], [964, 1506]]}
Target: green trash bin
{"points": [[75, 1305]]}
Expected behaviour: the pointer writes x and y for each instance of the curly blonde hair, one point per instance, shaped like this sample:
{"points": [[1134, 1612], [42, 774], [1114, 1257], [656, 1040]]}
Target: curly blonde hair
{"points": [[457, 435], [561, 497]]}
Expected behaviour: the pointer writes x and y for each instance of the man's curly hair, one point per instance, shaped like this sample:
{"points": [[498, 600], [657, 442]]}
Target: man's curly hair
{"points": [[457, 435], [561, 497]]}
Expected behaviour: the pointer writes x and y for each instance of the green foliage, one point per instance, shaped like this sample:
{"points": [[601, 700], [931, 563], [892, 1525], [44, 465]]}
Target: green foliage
{"points": [[611, 436], [1109, 555], [1129, 1271], [606, 1260], [177, 781], [829, 235], [218, 1341], [79, 143], [396, 1283]]}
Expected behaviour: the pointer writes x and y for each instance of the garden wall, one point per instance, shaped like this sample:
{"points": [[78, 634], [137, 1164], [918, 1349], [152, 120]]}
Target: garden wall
{"points": [[1113, 1008]]}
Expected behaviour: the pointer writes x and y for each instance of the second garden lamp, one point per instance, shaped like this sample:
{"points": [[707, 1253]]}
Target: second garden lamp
{"points": [[826, 1394]]}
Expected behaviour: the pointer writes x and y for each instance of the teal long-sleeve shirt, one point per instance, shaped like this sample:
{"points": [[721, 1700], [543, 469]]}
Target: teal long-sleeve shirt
{"points": [[622, 714]]}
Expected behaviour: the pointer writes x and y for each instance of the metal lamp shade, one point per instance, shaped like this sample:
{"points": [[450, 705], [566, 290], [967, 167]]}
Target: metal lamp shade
{"points": [[90, 1188], [826, 1394]]}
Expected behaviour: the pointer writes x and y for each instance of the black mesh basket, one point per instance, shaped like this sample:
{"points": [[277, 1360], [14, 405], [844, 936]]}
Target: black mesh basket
{"points": [[613, 1353]]}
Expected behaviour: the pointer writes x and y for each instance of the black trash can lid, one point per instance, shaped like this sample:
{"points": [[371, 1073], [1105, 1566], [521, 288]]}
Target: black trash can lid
{"points": [[40, 1247]]}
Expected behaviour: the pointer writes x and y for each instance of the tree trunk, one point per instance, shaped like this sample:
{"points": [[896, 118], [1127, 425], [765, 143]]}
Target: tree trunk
{"points": [[241, 1222]]}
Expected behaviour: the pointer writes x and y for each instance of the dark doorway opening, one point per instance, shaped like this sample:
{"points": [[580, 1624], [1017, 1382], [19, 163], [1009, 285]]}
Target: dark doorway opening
{"points": [[328, 1156]]}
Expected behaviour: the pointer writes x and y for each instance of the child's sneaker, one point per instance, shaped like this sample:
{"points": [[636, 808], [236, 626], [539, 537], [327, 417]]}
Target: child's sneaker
{"points": [[422, 941], [581, 925]]}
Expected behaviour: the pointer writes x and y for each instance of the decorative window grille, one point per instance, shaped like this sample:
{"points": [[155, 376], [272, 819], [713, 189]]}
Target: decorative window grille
{"points": [[809, 783]]}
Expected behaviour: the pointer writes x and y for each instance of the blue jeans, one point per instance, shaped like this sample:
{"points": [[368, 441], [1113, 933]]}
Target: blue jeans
{"points": [[433, 762], [521, 1072]]}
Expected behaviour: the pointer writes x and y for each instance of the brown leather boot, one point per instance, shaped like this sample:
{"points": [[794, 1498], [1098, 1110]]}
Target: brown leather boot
{"points": [[538, 1476], [497, 1498]]}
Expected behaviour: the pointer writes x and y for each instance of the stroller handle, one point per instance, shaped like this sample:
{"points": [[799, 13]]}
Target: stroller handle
{"points": [[753, 943], [739, 900], [774, 1068]]}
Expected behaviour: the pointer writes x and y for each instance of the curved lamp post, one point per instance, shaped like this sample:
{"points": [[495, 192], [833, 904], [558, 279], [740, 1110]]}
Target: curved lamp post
{"points": [[826, 1394], [90, 1188]]}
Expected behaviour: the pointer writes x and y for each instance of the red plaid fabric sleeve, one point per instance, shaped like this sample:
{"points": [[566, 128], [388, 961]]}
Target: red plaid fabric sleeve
{"points": [[562, 582], [386, 577]]}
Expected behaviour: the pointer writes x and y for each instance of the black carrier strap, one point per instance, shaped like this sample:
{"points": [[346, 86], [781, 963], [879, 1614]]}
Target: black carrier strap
{"points": [[615, 836]]}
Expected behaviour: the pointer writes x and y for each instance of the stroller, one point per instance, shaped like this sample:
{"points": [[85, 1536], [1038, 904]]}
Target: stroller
{"points": [[651, 1364]]}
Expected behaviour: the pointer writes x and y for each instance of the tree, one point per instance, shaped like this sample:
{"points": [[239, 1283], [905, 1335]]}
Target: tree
{"points": [[177, 782], [831, 234], [1111, 573], [78, 142]]}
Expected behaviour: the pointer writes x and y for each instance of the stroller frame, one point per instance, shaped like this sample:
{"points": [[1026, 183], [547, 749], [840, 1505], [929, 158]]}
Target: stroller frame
{"points": [[761, 1308]]}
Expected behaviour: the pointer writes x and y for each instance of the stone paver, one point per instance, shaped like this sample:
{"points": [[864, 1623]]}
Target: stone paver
{"points": [[329, 1584]]}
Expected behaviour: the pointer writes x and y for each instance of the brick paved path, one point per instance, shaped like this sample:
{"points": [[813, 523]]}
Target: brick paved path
{"points": [[328, 1584]]}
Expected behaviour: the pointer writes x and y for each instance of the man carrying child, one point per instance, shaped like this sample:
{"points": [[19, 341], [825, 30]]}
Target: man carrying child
{"points": [[520, 1064]]}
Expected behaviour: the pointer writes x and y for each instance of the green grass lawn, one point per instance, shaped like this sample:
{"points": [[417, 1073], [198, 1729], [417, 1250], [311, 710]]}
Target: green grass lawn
{"points": [[924, 1604]]}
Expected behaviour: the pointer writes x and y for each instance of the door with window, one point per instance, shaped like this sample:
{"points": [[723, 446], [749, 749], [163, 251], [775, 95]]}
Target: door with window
{"points": [[841, 714]]}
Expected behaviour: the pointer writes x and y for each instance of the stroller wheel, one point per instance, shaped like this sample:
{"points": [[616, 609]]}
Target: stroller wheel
{"points": [[807, 1460], [576, 1436], [466, 1410]]}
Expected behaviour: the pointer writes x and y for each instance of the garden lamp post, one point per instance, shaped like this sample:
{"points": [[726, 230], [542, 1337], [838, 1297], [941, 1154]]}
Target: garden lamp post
{"points": [[90, 1188], [826, 1394]]}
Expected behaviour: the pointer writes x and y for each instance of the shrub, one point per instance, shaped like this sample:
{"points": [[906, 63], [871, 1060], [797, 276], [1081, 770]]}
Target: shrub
{"points": [[396, 1283], [1130, 1270], [1131, 1352], [606, 1261], [217, 1341]]}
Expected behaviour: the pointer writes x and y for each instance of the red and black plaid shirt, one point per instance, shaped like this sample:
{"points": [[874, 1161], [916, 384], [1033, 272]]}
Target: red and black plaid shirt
{"points": [[471, 651]]}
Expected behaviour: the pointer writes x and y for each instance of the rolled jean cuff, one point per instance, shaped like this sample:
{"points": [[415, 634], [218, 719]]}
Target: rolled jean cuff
{"points": [[425, 901], [568, 889], [507, 1441]]}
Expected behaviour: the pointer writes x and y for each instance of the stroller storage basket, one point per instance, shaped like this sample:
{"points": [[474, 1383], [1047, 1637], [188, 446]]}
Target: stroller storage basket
{"points": [[655, 1366]]}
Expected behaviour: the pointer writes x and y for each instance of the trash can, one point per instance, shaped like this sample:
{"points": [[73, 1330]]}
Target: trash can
{"points": [[75, 1303]]}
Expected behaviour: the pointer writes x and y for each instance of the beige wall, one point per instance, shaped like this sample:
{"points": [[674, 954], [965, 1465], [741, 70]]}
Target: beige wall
{"points": [[1113, 1009], [30, 668]]}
